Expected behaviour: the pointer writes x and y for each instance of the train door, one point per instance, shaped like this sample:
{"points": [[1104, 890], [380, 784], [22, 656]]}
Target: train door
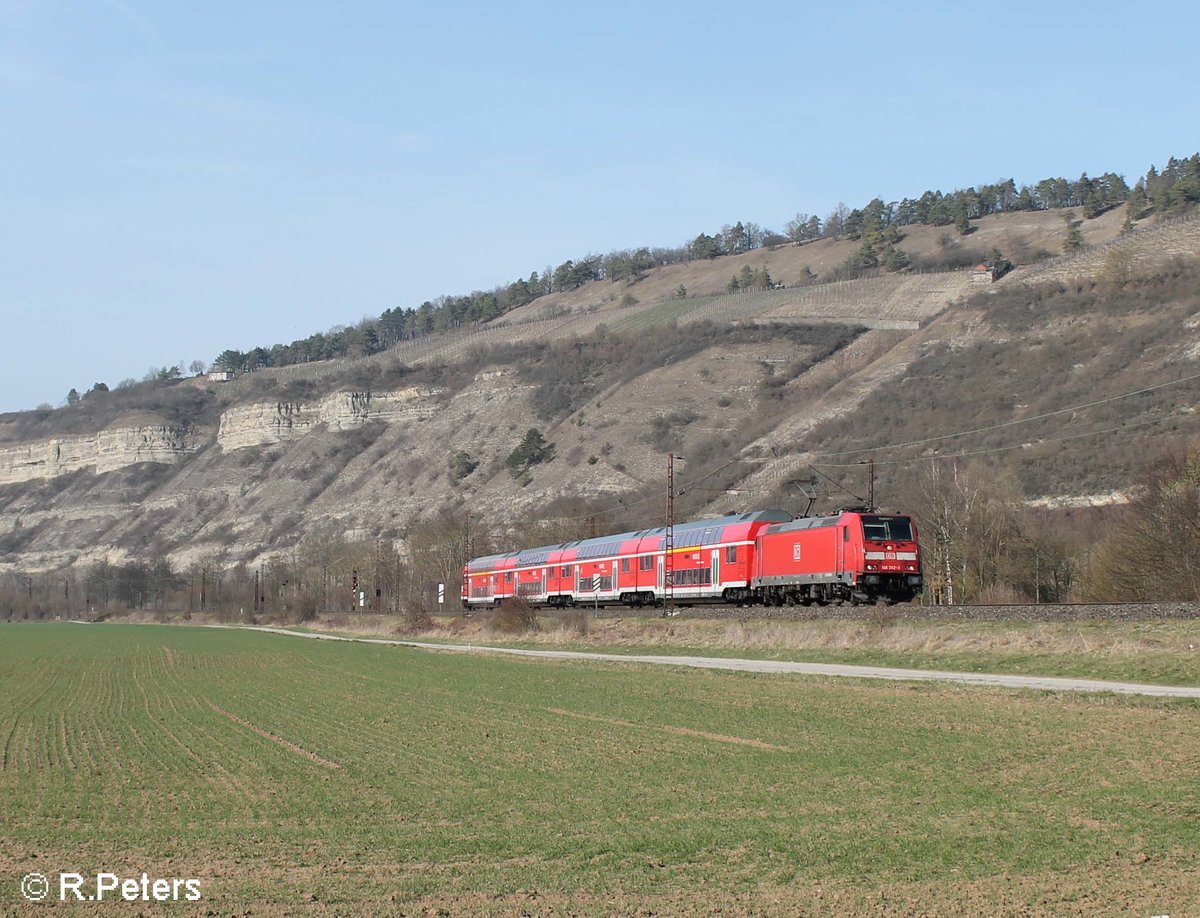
{"points": [[842, 537], [662, 575], [543, 581], [716, 567]]}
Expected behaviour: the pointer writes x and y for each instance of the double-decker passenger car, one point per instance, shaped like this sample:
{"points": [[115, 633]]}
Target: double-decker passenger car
{"points": [[710, 560]]}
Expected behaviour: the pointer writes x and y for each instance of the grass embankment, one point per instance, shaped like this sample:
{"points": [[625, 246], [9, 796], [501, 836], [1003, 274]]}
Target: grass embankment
{"points": [[304, 776], [1165, 652]]}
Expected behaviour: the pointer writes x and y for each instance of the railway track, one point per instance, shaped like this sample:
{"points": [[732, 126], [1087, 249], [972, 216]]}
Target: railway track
{"points": [[1069, 611]]}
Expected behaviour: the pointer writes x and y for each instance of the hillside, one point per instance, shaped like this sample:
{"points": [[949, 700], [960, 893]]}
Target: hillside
{"points": [[616, 374]]}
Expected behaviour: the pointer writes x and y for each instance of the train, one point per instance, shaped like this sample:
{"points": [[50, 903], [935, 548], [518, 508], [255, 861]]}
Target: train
{"points": [[763, 557]]}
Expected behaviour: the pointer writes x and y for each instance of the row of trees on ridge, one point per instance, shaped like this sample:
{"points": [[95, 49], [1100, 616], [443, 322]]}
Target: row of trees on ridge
{"points": [[1161, 193]]}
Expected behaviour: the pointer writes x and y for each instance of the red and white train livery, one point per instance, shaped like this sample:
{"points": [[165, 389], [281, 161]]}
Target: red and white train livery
{"points": [[765, 556]]}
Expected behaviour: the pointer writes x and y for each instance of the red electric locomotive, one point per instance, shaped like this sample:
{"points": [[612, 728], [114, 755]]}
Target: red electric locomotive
{"points": [[856, 556], [765, 556]]}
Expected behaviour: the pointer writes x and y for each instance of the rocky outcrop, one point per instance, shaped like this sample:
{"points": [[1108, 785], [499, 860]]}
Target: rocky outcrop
{"points": [[266, 423], [105, 451], [257, 424]]}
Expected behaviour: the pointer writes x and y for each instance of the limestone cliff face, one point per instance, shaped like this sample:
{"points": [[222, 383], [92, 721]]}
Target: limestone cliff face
{"points": [[258, 424], [267, 423], [105, 451]]}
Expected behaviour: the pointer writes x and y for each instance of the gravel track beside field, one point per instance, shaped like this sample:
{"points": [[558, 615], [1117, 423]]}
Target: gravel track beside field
{"points": [[1039, 683]]}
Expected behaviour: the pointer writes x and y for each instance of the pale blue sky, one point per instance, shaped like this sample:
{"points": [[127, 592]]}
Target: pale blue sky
{"points": [[178, 178]]}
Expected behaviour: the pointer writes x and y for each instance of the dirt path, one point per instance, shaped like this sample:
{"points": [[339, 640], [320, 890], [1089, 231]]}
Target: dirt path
{"points": [[1039, 683]]}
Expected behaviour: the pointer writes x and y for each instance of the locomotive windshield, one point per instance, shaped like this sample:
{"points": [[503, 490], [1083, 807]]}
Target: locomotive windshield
{"points": [[887, 529]]}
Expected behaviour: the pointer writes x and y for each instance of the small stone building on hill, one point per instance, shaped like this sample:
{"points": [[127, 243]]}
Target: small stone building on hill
{"points": [[982, 274]]}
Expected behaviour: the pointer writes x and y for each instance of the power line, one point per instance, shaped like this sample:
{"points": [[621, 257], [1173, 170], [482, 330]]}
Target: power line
{"points": [[1014, 423], [1001, 449]]}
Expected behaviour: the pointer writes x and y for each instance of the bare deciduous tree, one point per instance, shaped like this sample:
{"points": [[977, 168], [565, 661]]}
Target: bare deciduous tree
{"points": [[968, 520], [1150, 551]]}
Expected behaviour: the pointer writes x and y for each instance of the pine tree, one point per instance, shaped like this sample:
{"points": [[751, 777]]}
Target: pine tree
{"points": [[1074, 241], [962, 222], [894, 259], [531, 451]]}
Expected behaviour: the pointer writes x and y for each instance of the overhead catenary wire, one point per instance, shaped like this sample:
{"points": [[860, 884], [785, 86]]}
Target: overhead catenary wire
{"points": [[1001, 449], [1013, 423]]}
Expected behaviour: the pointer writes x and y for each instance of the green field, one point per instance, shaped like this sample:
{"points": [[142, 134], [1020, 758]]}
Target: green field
{"points": [[303, 776]]}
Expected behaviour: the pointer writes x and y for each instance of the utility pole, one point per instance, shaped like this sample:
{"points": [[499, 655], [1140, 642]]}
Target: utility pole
{"points": [[376, 583], [669, 540], [870, 464]]}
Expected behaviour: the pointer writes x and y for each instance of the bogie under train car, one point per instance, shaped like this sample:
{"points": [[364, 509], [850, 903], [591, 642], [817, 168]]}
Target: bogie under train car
{"points": [[765, 556]]}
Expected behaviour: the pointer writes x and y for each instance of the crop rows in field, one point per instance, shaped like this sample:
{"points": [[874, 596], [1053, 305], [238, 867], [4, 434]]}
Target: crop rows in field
{"points": [[284, 772]]}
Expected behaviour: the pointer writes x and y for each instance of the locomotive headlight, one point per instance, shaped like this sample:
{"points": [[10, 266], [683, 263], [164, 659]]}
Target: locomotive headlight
{"points": [[872, 567]]}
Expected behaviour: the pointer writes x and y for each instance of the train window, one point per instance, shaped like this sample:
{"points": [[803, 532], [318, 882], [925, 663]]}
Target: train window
{"points": [[646, 563], [845, 533], [565, 572], [508, 576], [624, 565], [730, 554], [887, 528], [874, 531]]}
